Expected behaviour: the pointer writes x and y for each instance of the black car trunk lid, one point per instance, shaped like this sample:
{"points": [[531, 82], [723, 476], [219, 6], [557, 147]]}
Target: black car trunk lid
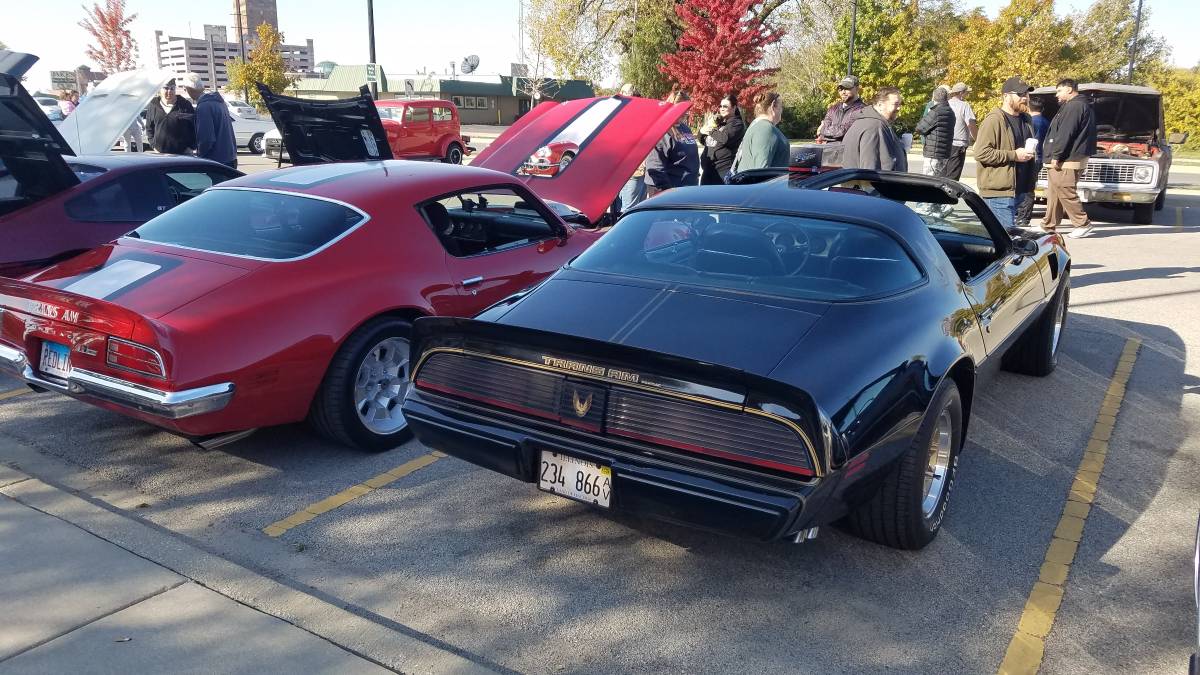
{"points": [[31, 149], [340, 130]]}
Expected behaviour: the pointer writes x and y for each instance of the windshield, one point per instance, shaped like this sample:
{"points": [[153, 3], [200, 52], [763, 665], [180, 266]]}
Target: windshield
{"points": [[780, 255], [264, 225]]}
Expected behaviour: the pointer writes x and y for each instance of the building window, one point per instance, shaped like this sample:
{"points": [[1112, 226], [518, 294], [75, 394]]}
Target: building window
{"points": [[457, 101]]}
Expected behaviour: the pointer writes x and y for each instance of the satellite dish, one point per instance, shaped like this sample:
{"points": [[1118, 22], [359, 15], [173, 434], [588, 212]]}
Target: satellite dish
{"points": [[469, 64]]}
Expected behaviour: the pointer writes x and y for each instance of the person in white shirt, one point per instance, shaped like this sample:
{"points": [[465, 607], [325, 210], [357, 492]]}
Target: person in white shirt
{"points": [[965, 128]]}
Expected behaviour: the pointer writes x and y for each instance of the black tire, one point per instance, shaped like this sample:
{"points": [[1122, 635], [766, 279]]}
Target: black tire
{"points": [[333, 413], [1143, 214], [256, 144], [1161, 200], [1036, 351], [895, 515], [454, 154]]}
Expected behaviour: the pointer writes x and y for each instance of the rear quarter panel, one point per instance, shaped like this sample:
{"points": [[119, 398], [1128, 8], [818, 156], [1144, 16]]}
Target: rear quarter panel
{"points": [[274, 332]]}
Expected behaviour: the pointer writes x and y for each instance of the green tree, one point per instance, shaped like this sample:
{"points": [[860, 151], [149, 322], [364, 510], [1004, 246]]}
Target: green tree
{"points": [[264, 64], [576, 38], [1181, 102], [891, 49], [808, 28], [1100, 42], [651, 32]]}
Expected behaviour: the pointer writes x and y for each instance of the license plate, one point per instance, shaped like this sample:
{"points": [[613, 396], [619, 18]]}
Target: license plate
{"points": [[56, 359], [575, 478]]}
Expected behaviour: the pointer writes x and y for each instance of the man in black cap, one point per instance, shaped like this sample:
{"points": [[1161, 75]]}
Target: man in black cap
{"points": [[842, 114], [170, 122], [1003, 153]]}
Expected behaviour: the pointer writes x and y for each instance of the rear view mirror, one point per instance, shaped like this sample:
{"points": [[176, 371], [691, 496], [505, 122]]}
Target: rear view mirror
{"points": [[1178, 138]]}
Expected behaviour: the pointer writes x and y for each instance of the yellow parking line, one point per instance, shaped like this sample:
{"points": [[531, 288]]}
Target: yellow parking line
{"points": [[1028, 645], [350, 494], [1178, 218], [5, 395]]}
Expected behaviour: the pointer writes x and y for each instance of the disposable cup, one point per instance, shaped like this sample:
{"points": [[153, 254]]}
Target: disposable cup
{"points": [[907, 140], [1031, 144]]}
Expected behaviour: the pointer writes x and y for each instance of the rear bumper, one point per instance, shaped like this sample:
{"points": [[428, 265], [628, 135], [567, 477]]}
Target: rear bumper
{"points": [[85, 384], [645, 486]]}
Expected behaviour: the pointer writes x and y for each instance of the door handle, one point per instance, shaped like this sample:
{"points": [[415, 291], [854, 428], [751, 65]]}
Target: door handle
{"points": [[472, 281], [986, 316]]}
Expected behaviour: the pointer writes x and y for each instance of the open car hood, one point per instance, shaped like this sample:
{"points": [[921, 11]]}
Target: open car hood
{"points": [[1123, 112], [31, 149], [103, 115], [341, 130], [612, 134]]}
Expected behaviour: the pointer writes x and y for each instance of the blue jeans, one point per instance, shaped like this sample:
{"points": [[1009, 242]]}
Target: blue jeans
{"points": [[633, 192], [1003, 208]]}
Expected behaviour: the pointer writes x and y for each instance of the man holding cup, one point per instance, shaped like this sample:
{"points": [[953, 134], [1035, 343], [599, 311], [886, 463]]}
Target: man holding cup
{"points": [[1004, 150]]}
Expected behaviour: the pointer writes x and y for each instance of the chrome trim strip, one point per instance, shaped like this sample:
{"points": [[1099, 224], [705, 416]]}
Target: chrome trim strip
{"points": [[365, 219], [168, 404]]}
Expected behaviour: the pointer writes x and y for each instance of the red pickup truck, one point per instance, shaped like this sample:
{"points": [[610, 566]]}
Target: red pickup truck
{"points": [[414, 128]]}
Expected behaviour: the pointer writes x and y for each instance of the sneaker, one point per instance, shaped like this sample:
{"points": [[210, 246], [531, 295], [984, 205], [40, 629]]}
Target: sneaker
{"points": [[1080, 232]]}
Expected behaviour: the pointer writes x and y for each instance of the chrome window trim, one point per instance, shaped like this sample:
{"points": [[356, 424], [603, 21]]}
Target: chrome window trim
{"points": [[366, 217]]}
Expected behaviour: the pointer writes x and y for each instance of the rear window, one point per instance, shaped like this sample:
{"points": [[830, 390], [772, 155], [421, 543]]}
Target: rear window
{"points": [[778, 255], [267, 225]]}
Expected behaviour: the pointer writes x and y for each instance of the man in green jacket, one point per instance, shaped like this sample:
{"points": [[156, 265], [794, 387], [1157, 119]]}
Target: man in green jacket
{"points": [[1002, 157]]}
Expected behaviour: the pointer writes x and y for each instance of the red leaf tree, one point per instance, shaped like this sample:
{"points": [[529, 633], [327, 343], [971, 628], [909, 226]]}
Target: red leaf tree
{"points": [[721, 46], [114, 49]]}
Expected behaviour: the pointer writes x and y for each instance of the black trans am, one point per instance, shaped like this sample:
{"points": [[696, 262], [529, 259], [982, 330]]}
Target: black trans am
{"points": [[755, 360]]}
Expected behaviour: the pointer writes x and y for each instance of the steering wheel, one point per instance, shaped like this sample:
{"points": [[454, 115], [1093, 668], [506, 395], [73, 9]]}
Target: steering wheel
{"points": [[792, 243]]}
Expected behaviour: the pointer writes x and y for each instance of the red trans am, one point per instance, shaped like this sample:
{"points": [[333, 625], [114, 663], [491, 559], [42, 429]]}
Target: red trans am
{"points": [[548, 160], [289, 295]]}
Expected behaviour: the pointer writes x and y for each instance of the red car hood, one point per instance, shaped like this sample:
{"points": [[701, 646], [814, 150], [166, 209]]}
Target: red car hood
{"points": [[145, 278], [614, 135]]}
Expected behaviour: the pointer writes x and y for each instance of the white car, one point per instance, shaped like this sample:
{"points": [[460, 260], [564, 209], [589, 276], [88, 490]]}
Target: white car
{"points": [[241, 109], [50, 107], [249, 133]]}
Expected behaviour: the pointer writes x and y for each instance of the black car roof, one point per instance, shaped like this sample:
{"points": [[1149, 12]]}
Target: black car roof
{"points": [[790, 196]]}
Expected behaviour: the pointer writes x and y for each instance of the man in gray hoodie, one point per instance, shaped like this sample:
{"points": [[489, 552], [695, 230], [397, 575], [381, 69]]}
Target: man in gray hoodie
{"points": [[870, 142]]}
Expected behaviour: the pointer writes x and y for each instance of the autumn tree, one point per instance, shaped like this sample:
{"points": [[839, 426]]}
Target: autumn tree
{"points": [[264, 64], [720, 50], [114, 49], [892, 48], [1027, 39], [1180, 88], [576, 38]]}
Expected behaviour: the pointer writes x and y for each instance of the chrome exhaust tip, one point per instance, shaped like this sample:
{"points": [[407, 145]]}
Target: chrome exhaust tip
{"points": [[217, 440], [807, 534]]}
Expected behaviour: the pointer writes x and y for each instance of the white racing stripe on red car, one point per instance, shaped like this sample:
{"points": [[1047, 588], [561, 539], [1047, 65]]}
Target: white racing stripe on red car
{"points": [[109, 280]]}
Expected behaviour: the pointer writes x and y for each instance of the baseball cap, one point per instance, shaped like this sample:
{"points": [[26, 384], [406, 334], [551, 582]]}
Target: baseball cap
{"points": [[959, 87], [848, 82], [190, 81], [1015, 85]]}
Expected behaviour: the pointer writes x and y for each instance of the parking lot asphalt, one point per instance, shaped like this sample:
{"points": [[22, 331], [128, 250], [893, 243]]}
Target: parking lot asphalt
{"points": [[512, 579]]}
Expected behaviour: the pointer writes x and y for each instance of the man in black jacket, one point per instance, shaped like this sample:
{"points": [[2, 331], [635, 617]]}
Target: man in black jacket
{"points": [[1070, 141], [937, 129], [170, 122]]}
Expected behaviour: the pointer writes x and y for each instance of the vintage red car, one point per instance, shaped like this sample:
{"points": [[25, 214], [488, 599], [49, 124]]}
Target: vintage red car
{"points": [[289, 294], [413, 128], [61, 192], [549, 159]]}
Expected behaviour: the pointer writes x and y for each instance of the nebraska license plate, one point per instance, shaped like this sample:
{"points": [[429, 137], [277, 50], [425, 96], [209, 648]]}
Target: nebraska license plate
{"points": [[575, 478], [56, 359]]}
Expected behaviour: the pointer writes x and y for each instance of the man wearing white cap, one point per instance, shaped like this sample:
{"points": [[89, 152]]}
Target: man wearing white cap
{"points": [[965, 129], [214, 127]]}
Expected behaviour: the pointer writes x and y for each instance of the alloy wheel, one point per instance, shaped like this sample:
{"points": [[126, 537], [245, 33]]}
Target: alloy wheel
{"points": [[937, 466], [1060, 316], [379, 386]]}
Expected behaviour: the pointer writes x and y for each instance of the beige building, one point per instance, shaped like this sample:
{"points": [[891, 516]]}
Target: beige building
{"points": [[207, 56]]}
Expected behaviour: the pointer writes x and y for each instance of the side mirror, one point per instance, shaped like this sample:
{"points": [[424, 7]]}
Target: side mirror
{"points": [[1178, 138], [1025, 248]]}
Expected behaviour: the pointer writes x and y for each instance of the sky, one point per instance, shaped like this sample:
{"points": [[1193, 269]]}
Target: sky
{"points": [[410, 35]]}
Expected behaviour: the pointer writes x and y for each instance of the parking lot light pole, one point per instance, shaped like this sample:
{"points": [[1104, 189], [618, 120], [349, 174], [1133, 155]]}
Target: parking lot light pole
{"points": [[371, 43], [853, 25], [1137, 29]]}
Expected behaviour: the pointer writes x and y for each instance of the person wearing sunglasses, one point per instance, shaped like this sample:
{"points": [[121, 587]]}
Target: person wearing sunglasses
{"points": [[171, 122]]}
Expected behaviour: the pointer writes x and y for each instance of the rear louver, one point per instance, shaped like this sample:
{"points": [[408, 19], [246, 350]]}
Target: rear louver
{"points": [[663, 420]]}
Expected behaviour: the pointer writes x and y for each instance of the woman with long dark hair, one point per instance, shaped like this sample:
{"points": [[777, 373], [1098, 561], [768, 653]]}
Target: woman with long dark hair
{"points": [[721, 139]]}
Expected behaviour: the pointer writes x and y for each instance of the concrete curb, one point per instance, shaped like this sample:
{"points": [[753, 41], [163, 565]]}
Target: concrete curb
{"points": [[386, 646]]}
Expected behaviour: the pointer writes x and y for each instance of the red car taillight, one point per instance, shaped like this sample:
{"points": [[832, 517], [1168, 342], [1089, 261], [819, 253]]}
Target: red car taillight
{"points": [[137, 358]]}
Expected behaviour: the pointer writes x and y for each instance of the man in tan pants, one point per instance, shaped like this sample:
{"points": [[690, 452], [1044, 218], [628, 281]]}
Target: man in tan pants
{"points": [[1070, 141]]}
